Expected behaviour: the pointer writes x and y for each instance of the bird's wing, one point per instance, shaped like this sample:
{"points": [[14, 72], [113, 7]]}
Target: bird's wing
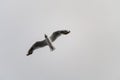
{"points": [[56, 34], [36, 45]]}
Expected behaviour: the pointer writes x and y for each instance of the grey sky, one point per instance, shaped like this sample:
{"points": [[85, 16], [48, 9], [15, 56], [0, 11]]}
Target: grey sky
{"points": [[90, 52]]}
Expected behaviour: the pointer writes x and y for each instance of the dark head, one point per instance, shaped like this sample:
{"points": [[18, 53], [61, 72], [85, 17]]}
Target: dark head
{"points": [[45, 36], [65, 32]]}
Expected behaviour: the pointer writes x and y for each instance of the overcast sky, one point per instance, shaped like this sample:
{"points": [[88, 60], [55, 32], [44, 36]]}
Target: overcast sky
{"points": [[90, 52]]}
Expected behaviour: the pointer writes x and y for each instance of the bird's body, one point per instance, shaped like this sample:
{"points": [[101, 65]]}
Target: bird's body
{"points": [[47, 41]]}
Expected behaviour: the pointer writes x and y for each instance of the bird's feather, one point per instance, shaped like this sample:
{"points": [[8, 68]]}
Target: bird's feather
{"points": [[56, 34], [37, 45]]}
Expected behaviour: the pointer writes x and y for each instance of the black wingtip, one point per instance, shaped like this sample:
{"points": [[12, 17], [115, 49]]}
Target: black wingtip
{"points": [[69, 31], [65, 32], [29, 52]]}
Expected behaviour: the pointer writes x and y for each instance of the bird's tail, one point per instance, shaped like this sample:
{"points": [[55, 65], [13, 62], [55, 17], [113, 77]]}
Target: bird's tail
{"points": [[52, 48], [30, 52]]}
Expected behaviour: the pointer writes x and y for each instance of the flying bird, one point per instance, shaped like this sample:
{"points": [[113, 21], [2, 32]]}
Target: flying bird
{"points": [[47, 41]]}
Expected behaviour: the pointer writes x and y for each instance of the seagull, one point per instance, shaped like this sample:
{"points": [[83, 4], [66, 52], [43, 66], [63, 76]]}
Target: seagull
{"points": [[47, 41]]}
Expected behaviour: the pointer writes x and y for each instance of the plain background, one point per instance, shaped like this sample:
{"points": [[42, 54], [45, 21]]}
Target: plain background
{"points": [[90, 52]]}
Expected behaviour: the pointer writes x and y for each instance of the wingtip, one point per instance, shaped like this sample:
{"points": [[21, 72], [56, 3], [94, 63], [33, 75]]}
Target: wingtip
{"points": [[69, 31], [27, 54]]}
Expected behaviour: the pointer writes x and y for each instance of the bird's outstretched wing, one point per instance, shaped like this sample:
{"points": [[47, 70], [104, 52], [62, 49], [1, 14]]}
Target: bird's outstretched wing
{"points": [[36, 45], [56, 34]]}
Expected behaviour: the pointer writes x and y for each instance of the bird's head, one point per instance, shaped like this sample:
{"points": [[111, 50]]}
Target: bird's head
{"points": [[45, 36], [65, 32]]}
